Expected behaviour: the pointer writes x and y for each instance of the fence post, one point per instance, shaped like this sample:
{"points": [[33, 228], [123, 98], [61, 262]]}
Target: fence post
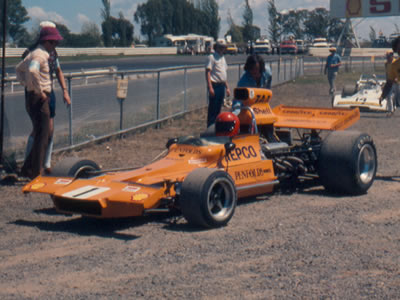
{"points": [[291, 69], [284, 70], [279, 70], [71, 139], [158, 98], [121, 109], [185, 90]]}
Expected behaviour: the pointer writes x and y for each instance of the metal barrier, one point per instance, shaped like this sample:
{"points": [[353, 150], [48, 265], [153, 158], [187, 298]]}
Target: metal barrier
{"points": [[361, 64], [17, 52], [96, 112]]}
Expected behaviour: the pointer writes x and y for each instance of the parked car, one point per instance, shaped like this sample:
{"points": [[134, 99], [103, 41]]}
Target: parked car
{"points": [[320, 43], [262, 46], [301, 46], [231, 49], [288, 47]]}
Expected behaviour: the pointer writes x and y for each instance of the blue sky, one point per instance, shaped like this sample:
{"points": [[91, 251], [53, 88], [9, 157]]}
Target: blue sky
{"points": [[74, 13]]}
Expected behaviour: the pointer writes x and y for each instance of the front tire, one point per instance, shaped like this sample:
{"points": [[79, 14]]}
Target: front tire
{"points": [[347, 162], [208, 198], [74, 167]]}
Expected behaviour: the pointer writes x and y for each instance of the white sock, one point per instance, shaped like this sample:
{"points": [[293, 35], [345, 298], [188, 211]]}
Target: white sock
{"points": [[49, 150], [29, 146]]}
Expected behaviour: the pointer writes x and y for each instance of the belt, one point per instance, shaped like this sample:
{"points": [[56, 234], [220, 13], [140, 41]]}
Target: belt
{"points": [[33, 92], [218, 83]]}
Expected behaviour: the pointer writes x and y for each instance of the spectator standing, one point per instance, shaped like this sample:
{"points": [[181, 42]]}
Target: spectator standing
{"points": [[55, 68], [34, 73], [217, 84], [393, 74], [332, 65], [389, 60], [256, 74]]}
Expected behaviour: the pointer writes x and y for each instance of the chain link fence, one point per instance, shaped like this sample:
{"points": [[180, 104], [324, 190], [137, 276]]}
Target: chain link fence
{"points": [[96, 112]]}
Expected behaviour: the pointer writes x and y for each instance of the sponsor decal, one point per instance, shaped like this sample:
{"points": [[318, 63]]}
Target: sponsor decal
{"points": [[186, 150], [263, 111], [131, 189], [139, 197], [37, 186], [197, 161], [297, 112], [63, 181], [262, 99], [250, 173], [245, 152]]}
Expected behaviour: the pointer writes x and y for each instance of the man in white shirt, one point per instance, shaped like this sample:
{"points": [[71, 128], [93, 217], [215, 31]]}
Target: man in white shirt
{"points": [[216, 77]]}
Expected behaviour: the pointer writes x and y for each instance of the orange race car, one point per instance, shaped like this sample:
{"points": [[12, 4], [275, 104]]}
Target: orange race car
{"points": [[242, 156]]}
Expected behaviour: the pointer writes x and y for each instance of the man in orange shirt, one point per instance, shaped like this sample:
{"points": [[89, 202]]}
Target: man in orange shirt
{"points": [[393, 75], [34, 73]]}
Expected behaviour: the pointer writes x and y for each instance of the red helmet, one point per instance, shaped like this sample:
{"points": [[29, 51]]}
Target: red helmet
{"points": [[227, 124]]}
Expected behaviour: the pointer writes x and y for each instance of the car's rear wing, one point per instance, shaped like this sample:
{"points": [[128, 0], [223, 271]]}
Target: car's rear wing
{"points": [[257, 104], [315, 118]]}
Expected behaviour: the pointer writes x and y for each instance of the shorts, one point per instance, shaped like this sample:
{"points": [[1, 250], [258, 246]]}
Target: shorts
{"points": [[52, 104]]}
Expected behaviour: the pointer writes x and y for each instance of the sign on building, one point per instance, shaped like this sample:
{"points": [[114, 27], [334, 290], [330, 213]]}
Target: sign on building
{"points": [[364, 8]]}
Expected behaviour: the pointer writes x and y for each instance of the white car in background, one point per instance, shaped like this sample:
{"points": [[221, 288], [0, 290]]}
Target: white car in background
{"points": [[262, 46], [365, 95], [320, 43]]}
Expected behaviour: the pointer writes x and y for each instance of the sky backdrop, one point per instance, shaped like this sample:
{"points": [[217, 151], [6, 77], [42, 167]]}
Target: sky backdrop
{"points": [[74, 13]]}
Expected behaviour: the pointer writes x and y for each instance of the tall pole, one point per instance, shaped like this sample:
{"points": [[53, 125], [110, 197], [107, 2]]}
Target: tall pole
{"points": [[3, 75]]}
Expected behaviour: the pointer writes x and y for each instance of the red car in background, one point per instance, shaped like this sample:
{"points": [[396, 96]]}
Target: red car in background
{"points": [[288, 47]]}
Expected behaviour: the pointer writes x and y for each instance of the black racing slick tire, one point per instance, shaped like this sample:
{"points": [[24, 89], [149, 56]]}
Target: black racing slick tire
{"points": [[347, 162], [208, 198], [75, 167], [349, 90]]}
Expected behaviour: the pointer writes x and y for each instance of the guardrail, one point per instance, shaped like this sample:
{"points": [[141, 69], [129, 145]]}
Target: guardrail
{"points": [[359, 52], [96, 112], [17, 52]]}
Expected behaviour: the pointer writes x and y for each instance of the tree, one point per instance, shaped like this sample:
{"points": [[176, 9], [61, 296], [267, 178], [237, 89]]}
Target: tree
{"points": [[317, 23], [235, 31], [159, 17], [248, 29], [16, 17], [106, 25], [212, 19], [274, 29], [122, 31]]}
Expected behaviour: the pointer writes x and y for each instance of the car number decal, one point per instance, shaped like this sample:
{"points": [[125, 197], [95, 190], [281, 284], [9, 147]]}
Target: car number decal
{"points": [[85, 192]]}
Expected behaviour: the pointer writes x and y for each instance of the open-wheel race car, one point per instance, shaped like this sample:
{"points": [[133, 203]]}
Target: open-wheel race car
{"points": [[203, 176], [365, 94]]}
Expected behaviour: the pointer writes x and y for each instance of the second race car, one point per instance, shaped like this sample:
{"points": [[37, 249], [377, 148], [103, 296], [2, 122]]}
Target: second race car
{"points": [[365, 95]]}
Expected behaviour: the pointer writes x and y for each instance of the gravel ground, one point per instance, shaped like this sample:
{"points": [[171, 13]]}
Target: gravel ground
{"points": [[305, 245]]}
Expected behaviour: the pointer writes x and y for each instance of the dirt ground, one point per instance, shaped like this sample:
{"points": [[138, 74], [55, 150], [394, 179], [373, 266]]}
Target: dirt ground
{"points": [[305, 245]]}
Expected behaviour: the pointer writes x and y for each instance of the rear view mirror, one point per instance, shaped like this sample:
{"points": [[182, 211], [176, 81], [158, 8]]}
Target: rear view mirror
{"points": [[229, 147]]}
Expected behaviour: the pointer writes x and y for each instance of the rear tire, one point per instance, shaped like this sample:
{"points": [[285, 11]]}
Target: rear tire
{"points": [[347, 162], [208, 198], [74, 167]]}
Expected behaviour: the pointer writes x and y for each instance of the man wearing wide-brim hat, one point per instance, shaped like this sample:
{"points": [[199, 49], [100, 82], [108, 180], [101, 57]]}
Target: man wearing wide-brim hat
{"points": [[332, 65], [217, 83], [34, 73]]}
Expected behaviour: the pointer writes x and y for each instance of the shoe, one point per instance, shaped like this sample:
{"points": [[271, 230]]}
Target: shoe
{"points": [[47, 171]]}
